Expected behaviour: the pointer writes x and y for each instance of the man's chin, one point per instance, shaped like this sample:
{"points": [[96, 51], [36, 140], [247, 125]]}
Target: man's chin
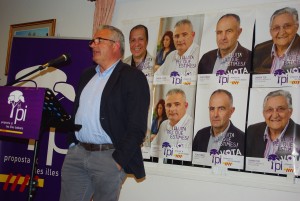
{"points": [[174, 122], [276, 127]]}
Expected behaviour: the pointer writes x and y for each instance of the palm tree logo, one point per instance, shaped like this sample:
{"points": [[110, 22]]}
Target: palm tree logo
{"points": [[166, 145], [279, 72], [213, 152], [221, 72], [174, 74], [273, 157], [15, 99]]}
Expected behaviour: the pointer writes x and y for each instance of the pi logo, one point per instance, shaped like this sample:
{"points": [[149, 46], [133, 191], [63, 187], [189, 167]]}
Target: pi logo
{"points": [[223, 77], [282, 77], [276, 163], [16, 99], [215, 157], [168, 150], [176, 78]]}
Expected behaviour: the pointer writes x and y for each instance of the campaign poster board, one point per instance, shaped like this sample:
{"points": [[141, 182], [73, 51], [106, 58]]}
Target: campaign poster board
{"points": [[274, 30], [174, 141], [146, 66], [221, 30], [178, 73], [230, 151], [283, 158]]}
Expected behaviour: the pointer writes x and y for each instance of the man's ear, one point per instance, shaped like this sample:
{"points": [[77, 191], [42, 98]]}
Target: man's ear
{"points": [[117, 46], [233, 109], [240, 31], [291, 109], [186, 104]]}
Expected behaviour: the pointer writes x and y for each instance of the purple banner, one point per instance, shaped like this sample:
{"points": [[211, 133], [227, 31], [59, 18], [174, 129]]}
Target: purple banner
{"points": [[16, 154], [21, 111]]}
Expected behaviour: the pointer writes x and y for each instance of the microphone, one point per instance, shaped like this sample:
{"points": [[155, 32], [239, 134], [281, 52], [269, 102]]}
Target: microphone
{"points": [[63, 59], [58, 61]]}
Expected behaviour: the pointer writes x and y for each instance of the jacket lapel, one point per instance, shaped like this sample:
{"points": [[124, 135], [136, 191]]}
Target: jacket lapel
{"points": [[111, 83]]}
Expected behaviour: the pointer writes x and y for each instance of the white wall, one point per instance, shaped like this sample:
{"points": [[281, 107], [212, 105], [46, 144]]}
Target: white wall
{"points": [[177, 183], [163, 182]]}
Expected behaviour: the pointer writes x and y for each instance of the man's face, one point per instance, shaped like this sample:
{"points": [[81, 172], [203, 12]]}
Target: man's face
{"points": [[220, 111], [227, 34], [176, 107], [183, 37], [138, 43], [103, 52], [283, 30], [277, 113]]}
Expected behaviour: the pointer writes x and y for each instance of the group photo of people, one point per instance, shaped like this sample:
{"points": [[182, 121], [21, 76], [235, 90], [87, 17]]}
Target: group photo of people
{"points": [[185, 118]]}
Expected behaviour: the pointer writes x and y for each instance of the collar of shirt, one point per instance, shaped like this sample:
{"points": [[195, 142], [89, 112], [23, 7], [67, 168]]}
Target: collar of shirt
{"points": [[107, 72], [216, 142], [133, 64], [227, 57], [183, 122], [267, 135], [274, 53], [221, 136], [187, 53], [223, 63]]}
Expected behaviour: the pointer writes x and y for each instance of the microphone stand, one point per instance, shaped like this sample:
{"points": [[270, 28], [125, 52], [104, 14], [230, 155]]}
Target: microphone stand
{"points": [[26, 75]]}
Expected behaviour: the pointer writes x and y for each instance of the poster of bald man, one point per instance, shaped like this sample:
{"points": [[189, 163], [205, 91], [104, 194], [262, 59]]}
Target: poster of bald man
{"points": [[220, 119], [227, 42], [273, 131], [277, 41]]}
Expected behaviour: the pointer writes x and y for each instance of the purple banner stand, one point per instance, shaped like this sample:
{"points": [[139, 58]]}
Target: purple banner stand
{"points": [[17, 154], [30, 109]]}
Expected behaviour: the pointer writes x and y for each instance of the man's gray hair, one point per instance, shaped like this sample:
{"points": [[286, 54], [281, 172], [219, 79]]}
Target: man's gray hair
{"points": [[235, 16], [280, 92], [117, 36], [184, 21], [289, 10], [225, 92], [176, 91]]}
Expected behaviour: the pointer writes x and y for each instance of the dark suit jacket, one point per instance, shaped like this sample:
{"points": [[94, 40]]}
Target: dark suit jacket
{"points": [[262, 60], [123, 114], [201, 139], [256, 144], [207, 62]]}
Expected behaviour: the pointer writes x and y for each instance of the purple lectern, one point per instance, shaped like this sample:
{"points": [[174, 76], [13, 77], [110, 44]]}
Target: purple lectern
{"points": [[25, 113]]}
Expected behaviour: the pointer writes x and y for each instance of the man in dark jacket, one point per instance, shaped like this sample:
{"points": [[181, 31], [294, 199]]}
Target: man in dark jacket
{"points": [[222, 135], [230, 56], [283, 51], [111, 107], [279, 134]]}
